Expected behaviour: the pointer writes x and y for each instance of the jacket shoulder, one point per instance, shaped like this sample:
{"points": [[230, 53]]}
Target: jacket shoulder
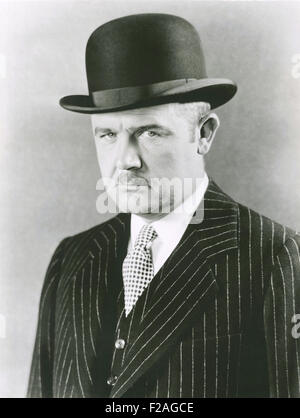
{"points": [[260, 228], [253, 226], [86, 242]]}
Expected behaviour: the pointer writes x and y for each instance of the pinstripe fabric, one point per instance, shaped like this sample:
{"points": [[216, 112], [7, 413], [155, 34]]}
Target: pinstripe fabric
{"points": [[215, 321]]}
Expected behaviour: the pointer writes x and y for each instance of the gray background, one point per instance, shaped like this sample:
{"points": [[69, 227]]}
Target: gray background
{"points": [[48, 163]]}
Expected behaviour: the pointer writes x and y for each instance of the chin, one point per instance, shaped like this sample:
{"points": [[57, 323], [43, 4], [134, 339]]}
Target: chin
{"points": [[137, 204], [131, 207]]}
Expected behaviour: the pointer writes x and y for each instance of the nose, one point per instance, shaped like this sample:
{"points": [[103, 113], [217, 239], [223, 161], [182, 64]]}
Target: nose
{"points": [[128, 154]]}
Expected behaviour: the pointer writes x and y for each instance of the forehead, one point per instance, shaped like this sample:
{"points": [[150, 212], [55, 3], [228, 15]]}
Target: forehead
{"points": [[161, 114]]}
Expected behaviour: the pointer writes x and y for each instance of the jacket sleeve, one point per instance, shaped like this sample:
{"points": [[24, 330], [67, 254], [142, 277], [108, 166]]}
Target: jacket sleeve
{"points": [[40, 381], [282, 322]]}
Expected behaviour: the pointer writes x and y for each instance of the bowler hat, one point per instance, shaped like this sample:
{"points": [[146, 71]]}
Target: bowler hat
{"points": [[145, 60]]}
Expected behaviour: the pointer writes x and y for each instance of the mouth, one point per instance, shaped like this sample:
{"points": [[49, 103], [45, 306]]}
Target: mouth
{"points": [[131, 182]]}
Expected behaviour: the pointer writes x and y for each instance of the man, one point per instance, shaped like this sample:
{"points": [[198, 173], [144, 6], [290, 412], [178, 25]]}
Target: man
{"points": [[185, 293]]}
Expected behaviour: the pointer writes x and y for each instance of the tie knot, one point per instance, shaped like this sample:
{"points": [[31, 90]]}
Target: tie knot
{"points": [[146, 235]]}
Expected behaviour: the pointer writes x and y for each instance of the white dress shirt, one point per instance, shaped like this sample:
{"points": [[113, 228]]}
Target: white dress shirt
{"points": [[169, 228]]}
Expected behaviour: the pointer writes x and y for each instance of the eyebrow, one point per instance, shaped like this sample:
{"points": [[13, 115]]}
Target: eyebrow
{"points": [[101, 130], [139, 129]]}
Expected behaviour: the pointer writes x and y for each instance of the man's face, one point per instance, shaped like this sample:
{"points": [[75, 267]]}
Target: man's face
{"points": [[140, 152]]}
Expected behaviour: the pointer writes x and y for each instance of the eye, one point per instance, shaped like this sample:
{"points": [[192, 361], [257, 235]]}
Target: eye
{"points": [[108, 136], [149, 134]]}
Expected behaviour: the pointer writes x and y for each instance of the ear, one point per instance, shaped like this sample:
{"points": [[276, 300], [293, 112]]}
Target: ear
{"points": [[206, 131]]}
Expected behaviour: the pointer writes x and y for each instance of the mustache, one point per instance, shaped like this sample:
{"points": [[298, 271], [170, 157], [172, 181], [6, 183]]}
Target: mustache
{"points": [[128, 178]]}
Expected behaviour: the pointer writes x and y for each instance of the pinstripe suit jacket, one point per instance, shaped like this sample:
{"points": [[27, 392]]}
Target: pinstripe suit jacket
{"points": [[216, 322]]}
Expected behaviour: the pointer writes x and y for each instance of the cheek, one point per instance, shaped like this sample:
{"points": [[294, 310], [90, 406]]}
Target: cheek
{"points": [[169, 164], [161, 162], [175, 163]]}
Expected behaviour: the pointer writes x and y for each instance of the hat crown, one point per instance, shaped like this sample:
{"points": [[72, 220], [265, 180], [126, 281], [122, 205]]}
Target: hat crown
{"points": [[143, 49]]}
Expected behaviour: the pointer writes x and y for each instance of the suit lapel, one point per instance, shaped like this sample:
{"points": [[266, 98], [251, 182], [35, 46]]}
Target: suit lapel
{"points": [[185, 286]]}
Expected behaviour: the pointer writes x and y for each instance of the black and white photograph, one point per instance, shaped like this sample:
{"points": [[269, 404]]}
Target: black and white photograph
{"points": [[150, 200]]}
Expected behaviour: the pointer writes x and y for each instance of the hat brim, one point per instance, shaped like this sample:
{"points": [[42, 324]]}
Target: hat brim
{"points": [[215, 91]]}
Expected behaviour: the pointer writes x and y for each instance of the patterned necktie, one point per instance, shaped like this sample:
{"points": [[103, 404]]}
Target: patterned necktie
{"points": [[138, 267]]}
